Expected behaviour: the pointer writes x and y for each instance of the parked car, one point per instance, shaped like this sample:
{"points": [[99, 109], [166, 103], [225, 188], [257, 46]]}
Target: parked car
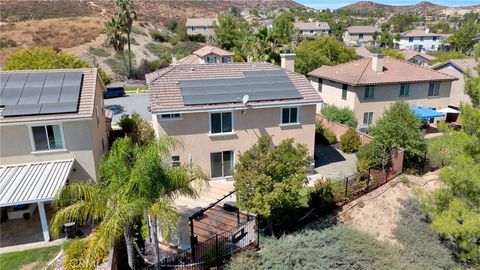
{"points": [[113, 92]]}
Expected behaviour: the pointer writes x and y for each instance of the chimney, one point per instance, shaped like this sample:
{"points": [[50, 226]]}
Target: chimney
{"points": [[287, 61], [174, 59], [249, 59], [377, 63], [427, 30], [317, 23]]}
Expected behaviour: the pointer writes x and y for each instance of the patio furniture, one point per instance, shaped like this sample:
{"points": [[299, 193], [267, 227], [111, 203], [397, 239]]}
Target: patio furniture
{"points": [[14, 213]]}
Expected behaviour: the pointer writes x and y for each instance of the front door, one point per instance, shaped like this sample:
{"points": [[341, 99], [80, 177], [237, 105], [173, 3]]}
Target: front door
{"points": [[221, 164]]}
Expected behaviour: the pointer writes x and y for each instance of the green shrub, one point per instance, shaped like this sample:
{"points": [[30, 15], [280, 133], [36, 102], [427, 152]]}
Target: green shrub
{"points": [[324, 135], [321, 197], [183, 49], [101, 52], [196, 38], [138, 31], [341, 115], [105, 78], [350, 141], [75, 254], [158, 50], [158, 36]]}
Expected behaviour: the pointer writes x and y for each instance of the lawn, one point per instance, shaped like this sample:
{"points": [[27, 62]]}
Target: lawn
{"points": [[34, 258], [133, 89]]}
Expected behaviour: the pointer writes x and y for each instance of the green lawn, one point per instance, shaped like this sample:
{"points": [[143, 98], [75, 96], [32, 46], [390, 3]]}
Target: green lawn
{"points": [[133, 89], [36, 258]]}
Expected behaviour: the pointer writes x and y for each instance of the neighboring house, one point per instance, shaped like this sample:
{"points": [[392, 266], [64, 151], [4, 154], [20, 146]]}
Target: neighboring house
{"points": [[370, 85], [360, 35], [458, 68], [52, 130], [421, 40], [203, 106], [310, 29], [206, 55], [418, 58], [203, 26]]}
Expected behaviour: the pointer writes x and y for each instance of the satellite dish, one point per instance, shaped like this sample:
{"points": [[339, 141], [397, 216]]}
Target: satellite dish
{"points": [[245, 99]]}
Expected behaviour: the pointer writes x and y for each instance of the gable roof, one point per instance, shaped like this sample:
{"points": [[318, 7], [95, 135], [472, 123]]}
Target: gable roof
{"points": [[312, 25], [363, 29], [409, 54], [420, 33], [463, 65], [165, 94], [200, 22], [194, 58], [85, 104], [360, 72]]}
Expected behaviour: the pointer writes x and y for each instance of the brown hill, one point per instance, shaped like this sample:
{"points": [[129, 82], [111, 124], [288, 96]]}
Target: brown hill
{"points": [[368, 6]]}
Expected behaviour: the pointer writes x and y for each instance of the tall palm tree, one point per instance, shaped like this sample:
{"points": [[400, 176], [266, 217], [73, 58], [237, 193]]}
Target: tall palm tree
{"points": [[114, 31], [126, 15], [136, 181]]}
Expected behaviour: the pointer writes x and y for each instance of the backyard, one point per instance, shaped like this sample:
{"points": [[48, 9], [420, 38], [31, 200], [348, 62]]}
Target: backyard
{"points": [[29, 259]]}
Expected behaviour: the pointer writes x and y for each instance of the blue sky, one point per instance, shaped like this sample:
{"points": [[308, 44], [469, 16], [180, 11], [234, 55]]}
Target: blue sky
{"points": [[333, 4]]}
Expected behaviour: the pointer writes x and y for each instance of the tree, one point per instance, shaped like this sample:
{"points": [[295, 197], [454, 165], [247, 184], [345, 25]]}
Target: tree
{"points": [[375, 38], [386, 39], [43, 58], [230, 31], [350, 141], [341, 115], [114, 31], [283, 29], [393, 53], [264, 46], [125, 15], [464, 38], [325, 50], [269, 179], [134, 181], [445, 56], [140, 131]]}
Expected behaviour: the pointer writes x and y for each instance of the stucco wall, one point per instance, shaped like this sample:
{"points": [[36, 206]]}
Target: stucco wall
{"points": [[331, 94], [349, 37], [199, 30], [193, 131], [427, 43], [457, 94]]}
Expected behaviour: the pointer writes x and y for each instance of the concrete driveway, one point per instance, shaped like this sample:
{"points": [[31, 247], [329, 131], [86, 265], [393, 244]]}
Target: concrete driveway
{"points": [[128, 105], [332, 163]]}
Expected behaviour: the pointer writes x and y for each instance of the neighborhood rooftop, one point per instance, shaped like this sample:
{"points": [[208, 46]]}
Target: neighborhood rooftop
{"points": [[422, 33], [360, 72], [361, 29], [312, 25], [462, 65], [409, 54], [200, 21], [169, 93], [194, 58]]}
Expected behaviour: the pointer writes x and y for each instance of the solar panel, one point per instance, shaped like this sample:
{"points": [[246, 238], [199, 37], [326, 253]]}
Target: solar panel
{"points": [[259, 85], [40, 92]]}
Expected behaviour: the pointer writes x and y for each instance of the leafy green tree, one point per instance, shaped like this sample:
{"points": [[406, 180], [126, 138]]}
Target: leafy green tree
{"points": [[114, 31], [283, 29], [440, 27], [341, 115], [463, 38], [140, 131], [393, 53], [445, 56], [350, 141], [264, 46], [125, 15], [403, 22], [135, 181], [43, 58], [230, 31], [386, 39], [325, 50], [472, 83], [270, 178]]}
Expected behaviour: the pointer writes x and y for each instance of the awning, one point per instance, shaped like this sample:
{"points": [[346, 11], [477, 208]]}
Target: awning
{"points": [[426, 113], [32, 182], [448, 110]]}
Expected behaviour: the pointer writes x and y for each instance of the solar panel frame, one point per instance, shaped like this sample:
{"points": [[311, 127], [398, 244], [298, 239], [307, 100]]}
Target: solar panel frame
{"points": [[60, 107], [13, 89], [21, 109], [3, 81]]}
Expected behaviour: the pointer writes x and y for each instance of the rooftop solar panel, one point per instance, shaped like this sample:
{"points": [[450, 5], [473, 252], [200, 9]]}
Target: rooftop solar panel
{"points": [[259, 85], [3, 81], [61, 107], [21, 109]]}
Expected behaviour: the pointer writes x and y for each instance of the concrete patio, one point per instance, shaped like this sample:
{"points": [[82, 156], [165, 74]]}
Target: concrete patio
{"points": [[332, 163]]}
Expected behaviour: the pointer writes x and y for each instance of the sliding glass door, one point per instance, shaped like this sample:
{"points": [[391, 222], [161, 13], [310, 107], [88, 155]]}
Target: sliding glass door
{"points": [[222, 164]]}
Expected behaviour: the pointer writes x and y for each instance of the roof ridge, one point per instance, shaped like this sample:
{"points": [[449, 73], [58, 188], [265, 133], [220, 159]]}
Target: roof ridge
{"points": [[418, 66], [364, 69]]}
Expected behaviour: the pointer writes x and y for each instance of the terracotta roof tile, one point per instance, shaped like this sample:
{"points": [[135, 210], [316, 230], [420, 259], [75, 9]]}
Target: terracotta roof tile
{"points": [[409, 54], [359, 29], [462, 64], [312, 25], [200, 21], [206, 50]]}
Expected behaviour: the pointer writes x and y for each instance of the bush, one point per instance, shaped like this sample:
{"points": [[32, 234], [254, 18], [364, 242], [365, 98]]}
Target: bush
{"points": [[341, 115], [196, 38], [321, 197], [158, 36], [138, 31], [324, 135], [183, 49], [158, 50], [350, 141], [105, 78], [74, 255], [101, 52]]}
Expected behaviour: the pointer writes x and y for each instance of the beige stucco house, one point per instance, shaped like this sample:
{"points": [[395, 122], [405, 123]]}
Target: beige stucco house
{"points": [[370, 85], [219, 111], [203, 26], [311, 29], [360, 35], [206, 55]]}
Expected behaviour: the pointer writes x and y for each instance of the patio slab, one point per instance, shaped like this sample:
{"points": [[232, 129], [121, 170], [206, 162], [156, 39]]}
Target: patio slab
{"points": [[332, 163]]}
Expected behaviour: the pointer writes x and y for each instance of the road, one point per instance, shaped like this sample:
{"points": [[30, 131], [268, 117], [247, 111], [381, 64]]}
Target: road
{"points": [[128, 105]]}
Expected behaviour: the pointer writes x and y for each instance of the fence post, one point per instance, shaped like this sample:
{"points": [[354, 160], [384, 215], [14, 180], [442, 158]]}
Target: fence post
{"points": [[238, 216], [216, 251], [192, 239], [346, 189]]}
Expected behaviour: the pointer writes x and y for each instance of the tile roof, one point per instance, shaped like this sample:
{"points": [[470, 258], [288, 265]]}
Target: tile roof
{"points": [[189, 59], [312, 25], [85, 105], [200, 21], [360, 72], [409, 54], [360, 29], [165, 95], [420, 33], [206, 50], [461, 64]]}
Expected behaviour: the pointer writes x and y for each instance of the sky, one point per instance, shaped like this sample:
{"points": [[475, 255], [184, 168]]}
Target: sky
{"points": [[333, 4]]}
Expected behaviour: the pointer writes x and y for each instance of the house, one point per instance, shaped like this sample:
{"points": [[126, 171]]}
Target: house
{"points": [[206, 55], [203, 26], [422, 40], [52, 131], [419, 58], [457, 68], [219, 111], [310, 29], [368, 86], [360, 35]]}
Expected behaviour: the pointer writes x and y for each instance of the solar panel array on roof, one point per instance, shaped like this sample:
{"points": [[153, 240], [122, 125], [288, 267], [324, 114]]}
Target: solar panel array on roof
{"points": [[33, 93], [258, 85]]}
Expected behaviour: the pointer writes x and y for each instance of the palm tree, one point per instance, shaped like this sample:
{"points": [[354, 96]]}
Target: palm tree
{"points": [[136, 181], [114, 32], [126, 14]]}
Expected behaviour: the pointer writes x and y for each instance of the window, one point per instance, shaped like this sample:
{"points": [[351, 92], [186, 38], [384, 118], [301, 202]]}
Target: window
{"points": [[404, 90], [205, 28], [194, 28], [221, 164], [47, 138], [434, 89], [226, 59], [211, 59], [410, 39], [320, 85], [369, 92], [367, 118], [360, 35], [221, 123], [434, 38], [344, 91], [289, 116], [311, 31], [433, 47], [175, 161], [421, 38], [170, 116]]}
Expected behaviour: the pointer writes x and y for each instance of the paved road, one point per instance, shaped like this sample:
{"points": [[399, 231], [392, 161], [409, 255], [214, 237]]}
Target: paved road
{"points": [[128, 105]]}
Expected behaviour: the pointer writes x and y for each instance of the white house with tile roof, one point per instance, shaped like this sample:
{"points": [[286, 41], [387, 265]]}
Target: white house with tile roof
{"points": [[421, 40], [311, 29], [207, 55], [202, 26]]}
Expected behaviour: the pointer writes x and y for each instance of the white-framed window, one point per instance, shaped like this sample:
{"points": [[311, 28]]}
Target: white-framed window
{"points": [[222, 164], [434, 38], [205, 28], [175, 161], [311, 31], [404, 90], [221, 122], [433, 47], [226, 59], [434, 89], [170, 116], [421, 38], [211, 59], [194, 28], [320, 85], [369, 92], [47, 138], [410, 39], [290, 116], [367, 118], [344, 91], [360, 36]]}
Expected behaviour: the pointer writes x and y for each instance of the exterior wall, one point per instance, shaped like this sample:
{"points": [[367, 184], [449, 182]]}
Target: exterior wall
{"points": [[428, 44], [457, 94], [218, 58], [306, 32], [99, 134], [193, 131], [206, 30], [354, 37], [331, 94]]}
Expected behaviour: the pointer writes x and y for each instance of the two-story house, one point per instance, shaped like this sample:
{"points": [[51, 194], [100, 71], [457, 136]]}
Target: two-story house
{"points": [[203, 26], [311, 29], [370, 85], [421, 40], [219, 111], [206, 55], [360, 35], [419, 58], [52, 130]]}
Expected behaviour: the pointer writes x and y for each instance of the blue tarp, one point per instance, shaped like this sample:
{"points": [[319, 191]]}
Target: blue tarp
{"points": [[426, 113]]}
